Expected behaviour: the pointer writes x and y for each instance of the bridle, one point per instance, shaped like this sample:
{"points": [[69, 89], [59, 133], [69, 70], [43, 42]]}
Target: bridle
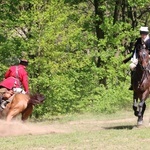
{"points": [[142, 55]]}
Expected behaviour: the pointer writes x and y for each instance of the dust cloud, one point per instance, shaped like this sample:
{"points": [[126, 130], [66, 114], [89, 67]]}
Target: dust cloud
{"points": [[15, 128]]}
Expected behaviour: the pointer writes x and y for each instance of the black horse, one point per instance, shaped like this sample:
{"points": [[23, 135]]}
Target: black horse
{"points": [[141, 83]]}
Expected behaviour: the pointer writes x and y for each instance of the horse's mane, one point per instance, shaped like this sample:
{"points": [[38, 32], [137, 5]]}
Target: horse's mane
{"points": [[140, 47], [36, 98]]}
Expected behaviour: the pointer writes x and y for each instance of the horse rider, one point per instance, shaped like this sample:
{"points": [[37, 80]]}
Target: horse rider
{"points": [[144, 40], [16, 80]]}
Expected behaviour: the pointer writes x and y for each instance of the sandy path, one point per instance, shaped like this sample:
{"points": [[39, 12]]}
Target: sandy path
{"points": [[17, 128]]}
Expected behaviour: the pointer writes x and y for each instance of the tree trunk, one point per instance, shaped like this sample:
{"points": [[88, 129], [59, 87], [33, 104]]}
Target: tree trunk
{"points": [[99, 14], [116, 11]]}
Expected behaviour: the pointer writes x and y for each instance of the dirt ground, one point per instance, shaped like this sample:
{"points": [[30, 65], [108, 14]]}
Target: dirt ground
{"points": [[15, 128], [18, 128]]}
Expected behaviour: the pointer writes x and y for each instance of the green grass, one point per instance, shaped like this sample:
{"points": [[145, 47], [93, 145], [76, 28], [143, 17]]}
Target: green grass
{"points": [[84, 132]]}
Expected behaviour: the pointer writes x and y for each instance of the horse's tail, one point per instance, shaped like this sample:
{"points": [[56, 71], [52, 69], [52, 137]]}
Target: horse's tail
{"points": [[36, 99]]}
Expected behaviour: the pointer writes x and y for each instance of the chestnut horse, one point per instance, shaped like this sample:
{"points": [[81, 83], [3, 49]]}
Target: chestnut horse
{"points": [[141, 83], [21, 104]]}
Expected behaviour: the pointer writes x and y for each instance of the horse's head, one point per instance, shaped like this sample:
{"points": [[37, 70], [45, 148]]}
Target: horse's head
{"points": [[143, 56], [37, 99]]}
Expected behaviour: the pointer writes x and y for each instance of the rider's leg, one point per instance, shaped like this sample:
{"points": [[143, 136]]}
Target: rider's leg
{"points": [[131, 87], [5, 96], [2, 101]]}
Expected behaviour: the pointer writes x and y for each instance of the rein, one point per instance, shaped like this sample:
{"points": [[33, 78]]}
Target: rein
{"points": [[146, 73], [145, 69]]}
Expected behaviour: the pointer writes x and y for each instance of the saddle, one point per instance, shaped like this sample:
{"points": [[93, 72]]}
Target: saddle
{"points": [[6, 96]]}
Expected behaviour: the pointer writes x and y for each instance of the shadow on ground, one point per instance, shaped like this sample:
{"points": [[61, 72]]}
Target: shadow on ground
{"points": [[122, 127]]}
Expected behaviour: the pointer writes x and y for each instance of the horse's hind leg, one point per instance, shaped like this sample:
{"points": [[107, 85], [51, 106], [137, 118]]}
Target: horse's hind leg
{"points": [[135, 104], [143, 109]]}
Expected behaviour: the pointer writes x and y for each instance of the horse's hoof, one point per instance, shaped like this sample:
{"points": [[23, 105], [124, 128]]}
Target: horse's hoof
{"points": [[139, 123]]}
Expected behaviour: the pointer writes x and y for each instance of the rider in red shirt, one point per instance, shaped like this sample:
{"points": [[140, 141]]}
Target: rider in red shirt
{"points": [[16, 77]]}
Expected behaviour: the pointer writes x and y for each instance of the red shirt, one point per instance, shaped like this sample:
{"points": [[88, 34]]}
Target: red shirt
{"points": [[16, 76]]}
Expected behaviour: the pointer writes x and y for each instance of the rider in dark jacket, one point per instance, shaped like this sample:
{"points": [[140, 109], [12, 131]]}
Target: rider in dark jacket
{"points": [[144, 40]]}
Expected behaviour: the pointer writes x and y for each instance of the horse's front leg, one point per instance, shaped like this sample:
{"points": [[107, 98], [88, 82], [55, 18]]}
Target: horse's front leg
{"points": [[142, 107], [27, 112]]}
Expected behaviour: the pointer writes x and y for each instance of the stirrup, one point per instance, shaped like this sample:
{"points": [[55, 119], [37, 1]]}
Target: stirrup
{"points": [[3, 104], [1, 109]]}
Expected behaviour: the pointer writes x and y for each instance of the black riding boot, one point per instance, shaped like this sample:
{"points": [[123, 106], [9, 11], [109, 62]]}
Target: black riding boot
{"points": [[131, 87]]}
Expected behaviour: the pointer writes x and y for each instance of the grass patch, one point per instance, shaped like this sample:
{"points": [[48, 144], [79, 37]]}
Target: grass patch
{"points": [[86, 131]]}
